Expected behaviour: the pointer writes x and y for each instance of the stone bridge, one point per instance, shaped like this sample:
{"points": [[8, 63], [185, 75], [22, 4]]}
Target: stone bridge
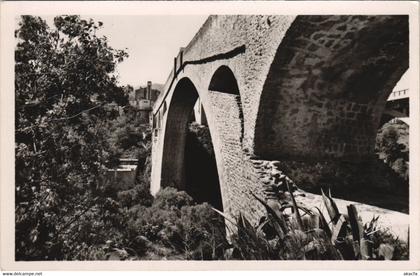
{"points": [[280, 93]]}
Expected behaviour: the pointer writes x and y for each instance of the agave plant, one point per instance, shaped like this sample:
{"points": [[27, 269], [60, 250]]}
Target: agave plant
{"points": [[299, 233], [292, 231], [353, 239]]}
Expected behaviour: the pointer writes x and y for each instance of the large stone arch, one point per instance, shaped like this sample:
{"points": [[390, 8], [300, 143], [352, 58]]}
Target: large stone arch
{"points": [[174, 158], [327, 87], [182, 102]]}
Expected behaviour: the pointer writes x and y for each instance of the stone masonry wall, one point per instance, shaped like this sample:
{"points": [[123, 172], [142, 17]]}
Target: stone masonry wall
{"points": [[327, 86]]}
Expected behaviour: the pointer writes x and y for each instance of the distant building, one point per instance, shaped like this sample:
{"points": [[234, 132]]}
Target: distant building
{"points": [[124, 176], [143, 99]]}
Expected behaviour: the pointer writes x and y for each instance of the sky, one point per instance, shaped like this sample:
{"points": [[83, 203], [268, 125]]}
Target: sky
{"points": [[152, 41], [403, 83]]}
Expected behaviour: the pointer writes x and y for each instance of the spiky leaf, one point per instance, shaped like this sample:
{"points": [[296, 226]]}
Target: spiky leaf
{"points": [[331, 207]]}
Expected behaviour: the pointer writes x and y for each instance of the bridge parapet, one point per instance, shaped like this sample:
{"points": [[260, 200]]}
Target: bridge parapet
{"points": [[178, 64]]}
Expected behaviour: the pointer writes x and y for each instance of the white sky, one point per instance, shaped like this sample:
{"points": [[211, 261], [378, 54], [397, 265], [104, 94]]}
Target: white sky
{"points": [[152, 42], [404, 83]]}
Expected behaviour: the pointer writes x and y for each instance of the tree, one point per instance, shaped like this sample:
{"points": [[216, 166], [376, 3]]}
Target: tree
{"points": [[65, 89], [388, 144], [129, 135]]}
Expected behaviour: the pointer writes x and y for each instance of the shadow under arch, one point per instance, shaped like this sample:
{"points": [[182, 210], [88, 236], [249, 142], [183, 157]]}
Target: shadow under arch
{"points": [[182, 167], [223, 80]]}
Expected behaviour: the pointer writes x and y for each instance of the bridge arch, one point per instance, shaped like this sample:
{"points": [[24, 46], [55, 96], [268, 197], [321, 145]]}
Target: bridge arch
{"points": [[327, 87], [223, 80], [179, 169]]}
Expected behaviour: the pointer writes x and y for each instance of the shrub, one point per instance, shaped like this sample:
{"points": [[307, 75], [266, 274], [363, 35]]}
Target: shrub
{"points": [[137, 195], [291, 231], [388, 144], [170, 198], [401, 168], [175, 222], [203, 232]]}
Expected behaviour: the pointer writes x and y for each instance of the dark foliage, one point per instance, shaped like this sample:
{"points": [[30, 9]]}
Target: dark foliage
{"points": [[392, 147], [175, 227], [290, 231], [65, 86], [129, 136]]}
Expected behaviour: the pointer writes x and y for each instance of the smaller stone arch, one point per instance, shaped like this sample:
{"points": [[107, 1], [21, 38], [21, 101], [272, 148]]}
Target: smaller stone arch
{"points": [[224, 80]]}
